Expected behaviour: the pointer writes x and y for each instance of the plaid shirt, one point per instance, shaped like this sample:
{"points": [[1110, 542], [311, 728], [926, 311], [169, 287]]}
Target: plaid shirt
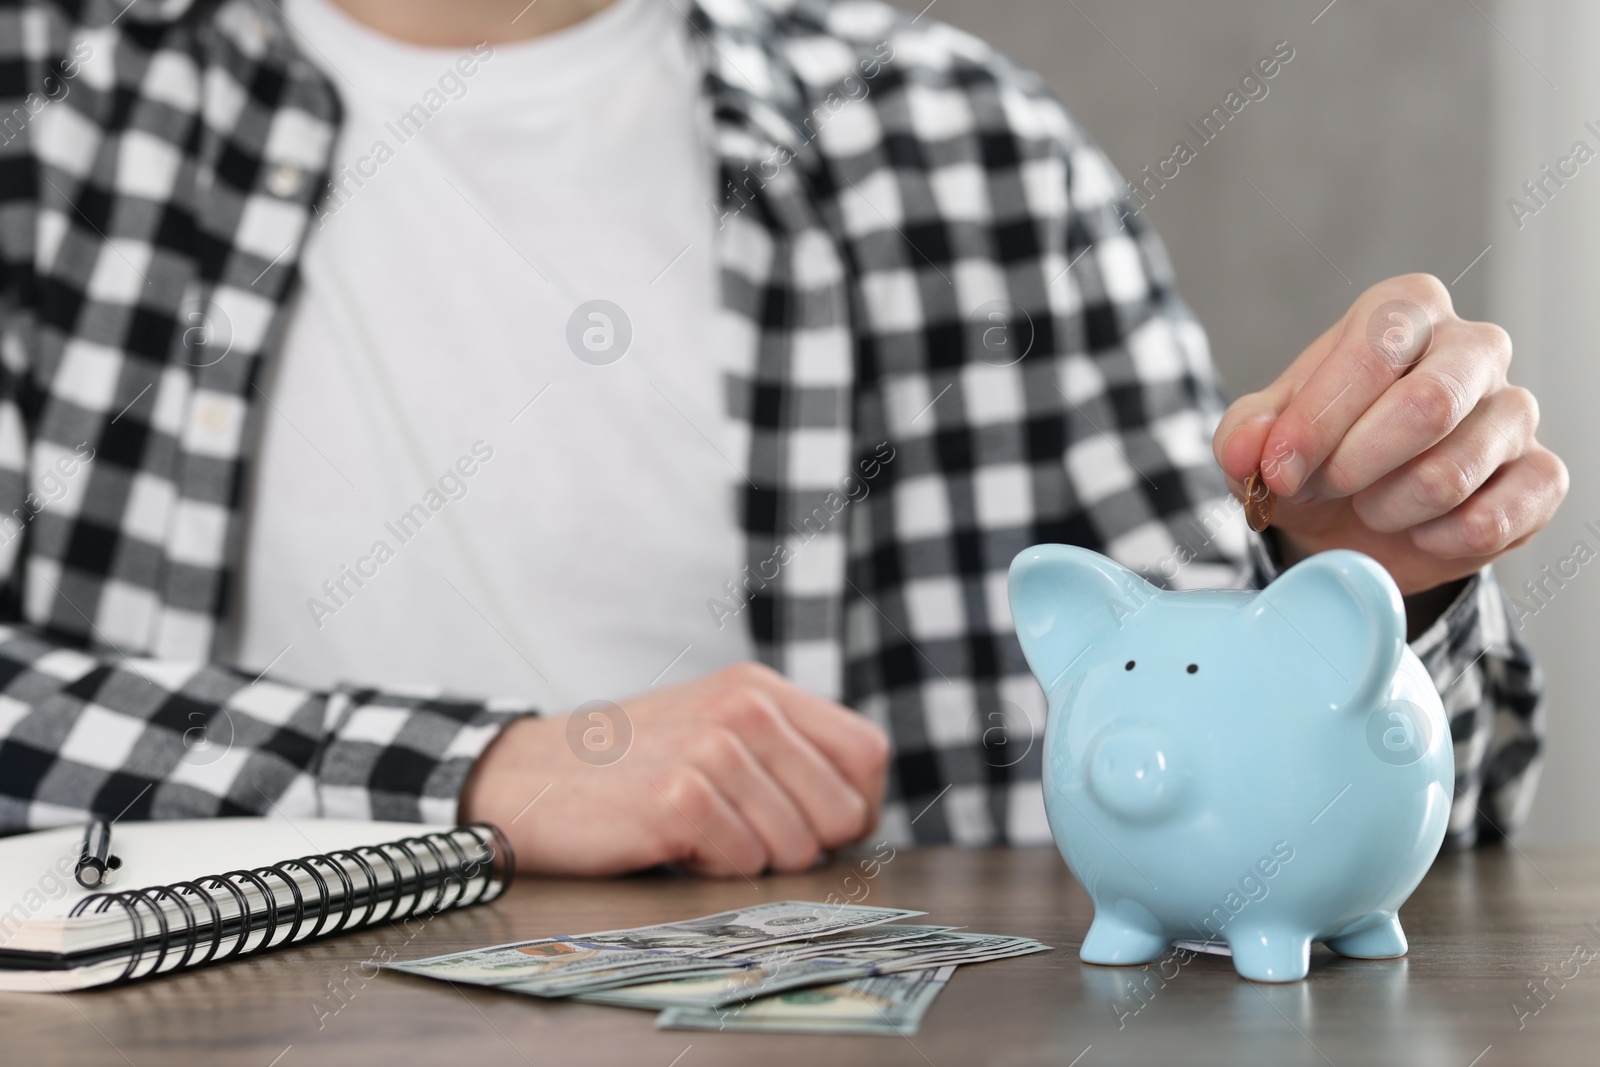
{"points": [[903, 214]]}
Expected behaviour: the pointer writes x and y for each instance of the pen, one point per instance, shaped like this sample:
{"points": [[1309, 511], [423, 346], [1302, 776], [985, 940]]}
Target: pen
{"points": [[96, 860]]}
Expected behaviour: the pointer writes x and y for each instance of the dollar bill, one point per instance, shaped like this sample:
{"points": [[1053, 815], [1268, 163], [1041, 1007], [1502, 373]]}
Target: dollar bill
{"points": [[898, 934], [773, 971], [1213, 948], [583, 980], [728, 932], [717, 988], [671, 965], [992, 948], [889, 1004], [670, 948], [550, 957]]}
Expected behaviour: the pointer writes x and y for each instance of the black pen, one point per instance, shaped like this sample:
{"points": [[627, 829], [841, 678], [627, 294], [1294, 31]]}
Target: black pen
{"points": [[96, 860]]}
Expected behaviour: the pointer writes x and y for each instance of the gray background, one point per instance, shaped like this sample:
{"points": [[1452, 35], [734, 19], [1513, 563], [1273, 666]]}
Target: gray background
{"points": [[1390, 142]]}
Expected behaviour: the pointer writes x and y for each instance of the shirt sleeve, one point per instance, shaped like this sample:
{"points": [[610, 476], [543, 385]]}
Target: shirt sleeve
{"points": [[1494, 698], [83, 733]]}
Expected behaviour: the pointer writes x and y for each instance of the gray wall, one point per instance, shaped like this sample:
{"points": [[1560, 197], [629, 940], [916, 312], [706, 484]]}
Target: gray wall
{"points": [[1543, 278], [1392, 141]]}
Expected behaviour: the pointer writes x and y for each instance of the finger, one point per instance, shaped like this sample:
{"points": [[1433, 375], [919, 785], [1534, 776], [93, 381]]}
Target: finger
{"points": [[1241, 436], [1516, 502], [1466, 361], [1436, 482], [1239, 454], [834, 810], [849, 741], [708, 836], [1387, 330], [761, 803]]}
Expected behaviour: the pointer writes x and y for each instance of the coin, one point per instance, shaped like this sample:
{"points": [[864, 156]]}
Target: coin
{"points": [[1259, 503]]}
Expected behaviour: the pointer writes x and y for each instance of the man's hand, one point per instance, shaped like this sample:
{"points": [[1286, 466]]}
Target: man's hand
{"points": [[728, 775], [1397, 434]]}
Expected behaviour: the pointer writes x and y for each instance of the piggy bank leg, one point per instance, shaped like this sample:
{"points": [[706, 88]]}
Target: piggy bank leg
{"points": [[1270, 954], [1125, 933], [1377, 937]]}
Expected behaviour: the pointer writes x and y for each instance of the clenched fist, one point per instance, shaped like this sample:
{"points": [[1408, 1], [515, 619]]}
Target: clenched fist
{"points": [[729, 775]]}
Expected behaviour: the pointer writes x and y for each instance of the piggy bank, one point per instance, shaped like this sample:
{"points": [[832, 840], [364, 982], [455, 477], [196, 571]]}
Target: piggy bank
{"points": [[1263, 768]]}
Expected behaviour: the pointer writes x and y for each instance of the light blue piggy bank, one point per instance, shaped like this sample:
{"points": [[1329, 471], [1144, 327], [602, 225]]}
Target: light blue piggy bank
{"points": [[1264, 768]]}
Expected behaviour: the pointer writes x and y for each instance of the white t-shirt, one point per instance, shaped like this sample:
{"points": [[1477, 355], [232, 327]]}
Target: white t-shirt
{"points": [[447, 495]]}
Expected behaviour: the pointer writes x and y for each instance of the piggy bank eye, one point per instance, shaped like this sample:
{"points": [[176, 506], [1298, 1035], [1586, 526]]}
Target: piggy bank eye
{"points": [[1193, 667], [1129, 667]]}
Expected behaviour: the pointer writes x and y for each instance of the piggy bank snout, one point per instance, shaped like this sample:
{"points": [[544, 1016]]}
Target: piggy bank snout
{"points": [[1132, 774]]}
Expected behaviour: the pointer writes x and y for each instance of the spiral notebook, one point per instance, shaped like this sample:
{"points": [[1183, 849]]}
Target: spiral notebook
{"points": [[194, 892]]}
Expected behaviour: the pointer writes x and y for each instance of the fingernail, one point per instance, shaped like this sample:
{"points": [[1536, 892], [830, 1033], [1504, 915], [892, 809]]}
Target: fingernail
{"points": [[1306, 495], [1292, 473]]}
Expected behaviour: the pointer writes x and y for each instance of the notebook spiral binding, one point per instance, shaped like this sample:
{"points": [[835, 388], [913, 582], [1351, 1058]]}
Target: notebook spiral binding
{"points": [[205, 928]]}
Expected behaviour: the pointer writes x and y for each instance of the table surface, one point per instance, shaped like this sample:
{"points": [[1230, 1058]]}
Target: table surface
{"points": [[1483, 925]]}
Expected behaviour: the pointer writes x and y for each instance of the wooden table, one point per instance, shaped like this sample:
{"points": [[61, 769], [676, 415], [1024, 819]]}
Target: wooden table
{"points": [[1482, 926]]}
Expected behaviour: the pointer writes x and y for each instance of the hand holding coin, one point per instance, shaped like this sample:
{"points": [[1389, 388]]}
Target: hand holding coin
{"points": [[1396, 434]]}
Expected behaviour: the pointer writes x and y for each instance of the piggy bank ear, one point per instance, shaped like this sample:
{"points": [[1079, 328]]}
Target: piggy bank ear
{"points": [[1064, 599], [1340, 615]]}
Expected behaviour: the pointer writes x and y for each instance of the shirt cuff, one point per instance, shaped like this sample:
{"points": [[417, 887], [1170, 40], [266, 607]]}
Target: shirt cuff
{"points": [[1456, 622], [403, 758]]}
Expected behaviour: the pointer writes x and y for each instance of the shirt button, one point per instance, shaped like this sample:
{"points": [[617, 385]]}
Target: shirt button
{"points": [[285, 180]]}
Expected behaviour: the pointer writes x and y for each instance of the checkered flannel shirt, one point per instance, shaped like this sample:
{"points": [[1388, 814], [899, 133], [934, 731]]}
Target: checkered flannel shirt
{"points": [[888, 187]]}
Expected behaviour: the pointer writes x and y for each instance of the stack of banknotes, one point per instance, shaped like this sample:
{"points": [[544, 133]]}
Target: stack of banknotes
{"points": [[789, 966]]}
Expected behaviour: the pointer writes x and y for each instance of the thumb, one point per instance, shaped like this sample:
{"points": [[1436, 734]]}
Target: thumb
{"points": [[1241, 436]]}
